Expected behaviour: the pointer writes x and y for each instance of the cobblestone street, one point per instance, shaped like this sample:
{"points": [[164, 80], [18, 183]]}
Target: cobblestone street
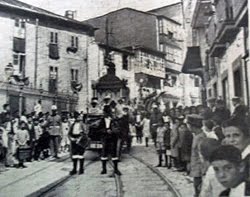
{"points": [[137, 179]]}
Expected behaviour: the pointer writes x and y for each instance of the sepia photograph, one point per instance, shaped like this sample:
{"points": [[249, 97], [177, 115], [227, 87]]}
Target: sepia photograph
{"points": [[124, 98]]}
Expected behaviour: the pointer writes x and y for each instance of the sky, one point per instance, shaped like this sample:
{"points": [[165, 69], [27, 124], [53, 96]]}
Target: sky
{"points": [[91, 8]]}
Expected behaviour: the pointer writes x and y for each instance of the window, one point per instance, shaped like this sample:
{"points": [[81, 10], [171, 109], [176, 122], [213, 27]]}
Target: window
{"points": [[19, 30], [125, 62], [170, 34], [53, 75], [19, 64], [238, 83], [74, 41], [162, 47], [53, 37], [174, 80], [196, 82], [169, 54], [225, 88], [209, 92], [160, 26], [215, 90], [20, 23], [74, 74]]}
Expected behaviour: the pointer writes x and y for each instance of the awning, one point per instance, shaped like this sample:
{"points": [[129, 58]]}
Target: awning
{"points": [[192, 63]]}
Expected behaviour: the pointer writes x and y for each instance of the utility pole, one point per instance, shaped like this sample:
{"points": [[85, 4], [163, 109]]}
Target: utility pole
{"points": [[108, 61]]}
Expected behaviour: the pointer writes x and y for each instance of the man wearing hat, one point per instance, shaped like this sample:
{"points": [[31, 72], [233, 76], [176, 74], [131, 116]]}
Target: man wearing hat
{"points": [[211, 103], [239, 113], [94, 109], [110, 132], [194, 123], [54, 124], [155, 118], [221, 113], [79, 141]]}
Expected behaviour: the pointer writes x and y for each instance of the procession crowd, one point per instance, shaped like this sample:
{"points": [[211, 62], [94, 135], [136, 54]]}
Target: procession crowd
{"points": [[209, 143]]}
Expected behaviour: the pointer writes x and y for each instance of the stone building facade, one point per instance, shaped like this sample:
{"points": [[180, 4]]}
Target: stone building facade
{"points": [[220, 29], [43, 56]]}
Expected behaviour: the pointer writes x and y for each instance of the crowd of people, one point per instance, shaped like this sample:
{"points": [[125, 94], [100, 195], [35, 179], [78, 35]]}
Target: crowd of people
{"points": [[32, 137], [209, 143]]}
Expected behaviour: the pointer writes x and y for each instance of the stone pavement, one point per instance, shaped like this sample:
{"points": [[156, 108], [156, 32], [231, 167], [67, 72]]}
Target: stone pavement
{"points": [[38, 174], [181, 182]]}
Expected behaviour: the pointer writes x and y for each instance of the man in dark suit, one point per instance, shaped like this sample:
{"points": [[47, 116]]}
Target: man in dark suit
{"points": [[240, 110], [110, 133]]}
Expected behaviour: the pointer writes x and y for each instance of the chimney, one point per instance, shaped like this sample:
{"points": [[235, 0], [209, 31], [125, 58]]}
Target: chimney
{"points": [[70, 14]]}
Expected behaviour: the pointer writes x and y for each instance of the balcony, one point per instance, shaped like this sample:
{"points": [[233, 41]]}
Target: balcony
{"points": [[203, 10], [217, 49], [226, 29], [149, 68], [240, 12]]}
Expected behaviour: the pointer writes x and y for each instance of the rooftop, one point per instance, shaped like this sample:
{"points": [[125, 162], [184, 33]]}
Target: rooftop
{"points": [[18, 5]]}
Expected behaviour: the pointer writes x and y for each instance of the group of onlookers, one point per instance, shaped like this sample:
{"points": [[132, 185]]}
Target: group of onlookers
{"points": [[208, 143], [32, 137]]}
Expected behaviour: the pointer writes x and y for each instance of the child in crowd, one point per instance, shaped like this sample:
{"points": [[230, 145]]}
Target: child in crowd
{"points": [[65, 131], [231, 171], [161, 132], [44, 140], [22, 137], [146, 128], [38, 131], [138, 127], [168, 145], [186, 138], [210, 186]]}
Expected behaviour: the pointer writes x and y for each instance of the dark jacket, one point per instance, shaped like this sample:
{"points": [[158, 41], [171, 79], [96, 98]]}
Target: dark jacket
{"points": [[114, 127]]}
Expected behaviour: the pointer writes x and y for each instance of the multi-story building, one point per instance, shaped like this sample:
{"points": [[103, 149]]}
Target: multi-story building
{"points": [[220, 29], [43, 56], [158, 44]]}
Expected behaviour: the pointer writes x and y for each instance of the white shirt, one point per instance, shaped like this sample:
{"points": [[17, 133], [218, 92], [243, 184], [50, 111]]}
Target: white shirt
{"points": [[239, 191], [107, 122], [245, 152], [38, 108], [210, 185], [76, 128]]}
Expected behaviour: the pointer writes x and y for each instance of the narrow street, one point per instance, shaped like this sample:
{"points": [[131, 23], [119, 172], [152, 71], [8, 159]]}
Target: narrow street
{"points": [[139, 179]]}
